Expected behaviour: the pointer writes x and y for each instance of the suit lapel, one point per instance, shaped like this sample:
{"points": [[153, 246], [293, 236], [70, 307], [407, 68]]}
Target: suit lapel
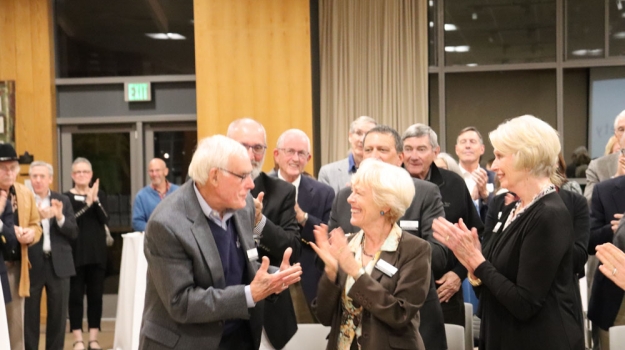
{"points": [[618, 195], [306, 194], [204, 237], [244, 231]]}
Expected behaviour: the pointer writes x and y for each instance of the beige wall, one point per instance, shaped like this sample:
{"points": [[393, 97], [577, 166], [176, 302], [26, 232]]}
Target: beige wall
{"points": [[253, 60]]}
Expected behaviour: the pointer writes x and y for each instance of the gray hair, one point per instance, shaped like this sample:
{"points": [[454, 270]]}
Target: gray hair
{"points": [[236, 123], [420, 130], [213, 152], [618, 119], [387, 130], [41, 163], [390, 185], [296, 132], [361, 119], [452, 165], [82, 160]]}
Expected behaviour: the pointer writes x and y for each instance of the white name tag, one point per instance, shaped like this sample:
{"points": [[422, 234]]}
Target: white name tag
{"points": [[409, 224], [499, 216], [252, 254], [386, 268], [490, 187], [80, 198], [496, 229]]}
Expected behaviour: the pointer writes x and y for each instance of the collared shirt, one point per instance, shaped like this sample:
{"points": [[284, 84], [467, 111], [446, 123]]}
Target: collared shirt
{"points": [[352, 163], [162, 195], [294, 183], [43, 203], [214, 216]]}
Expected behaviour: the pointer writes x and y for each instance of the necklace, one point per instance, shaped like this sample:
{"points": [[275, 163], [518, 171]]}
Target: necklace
{"points": [[362, 248]]}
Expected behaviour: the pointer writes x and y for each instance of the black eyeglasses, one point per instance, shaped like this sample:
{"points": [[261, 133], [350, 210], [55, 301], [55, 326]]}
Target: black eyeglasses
{"points": [[240, 176], [257, 149]]}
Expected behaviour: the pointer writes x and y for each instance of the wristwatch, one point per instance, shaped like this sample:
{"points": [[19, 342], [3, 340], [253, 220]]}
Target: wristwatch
{"points": [[303, 222]]}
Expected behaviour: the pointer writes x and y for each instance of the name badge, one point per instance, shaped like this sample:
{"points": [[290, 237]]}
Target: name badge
{"points": [[252, 254], [386, 268], [80, 198], [496, 229], [409, 224], [499, 216], [490, 187]]}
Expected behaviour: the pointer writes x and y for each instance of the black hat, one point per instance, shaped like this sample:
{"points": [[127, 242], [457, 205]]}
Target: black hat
{"points": [[7, 152]]}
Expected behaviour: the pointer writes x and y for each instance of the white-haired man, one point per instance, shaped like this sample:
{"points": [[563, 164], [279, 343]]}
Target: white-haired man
{"points": [[338, 174], [204, 286], [313, 207], [275, 226]]}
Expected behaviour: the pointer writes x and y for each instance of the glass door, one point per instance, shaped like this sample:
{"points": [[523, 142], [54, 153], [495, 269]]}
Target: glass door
{"points": [[173, 143]]}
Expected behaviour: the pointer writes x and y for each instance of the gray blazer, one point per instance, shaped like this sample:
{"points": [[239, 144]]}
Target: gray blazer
{"points": [[335, 174], [186, 299], [598, 170]]}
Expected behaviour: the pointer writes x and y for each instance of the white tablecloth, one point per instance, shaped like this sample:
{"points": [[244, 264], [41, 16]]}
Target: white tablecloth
{"points": [[131, 295], [4, 327]]}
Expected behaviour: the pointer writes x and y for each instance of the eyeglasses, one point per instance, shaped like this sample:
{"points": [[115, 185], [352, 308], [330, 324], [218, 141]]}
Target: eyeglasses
{"points": [[9, 169], [291, 152], [257, 149], [83, 172], [240, 176]]}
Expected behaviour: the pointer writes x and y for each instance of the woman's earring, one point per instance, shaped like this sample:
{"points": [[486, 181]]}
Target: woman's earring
{"points": [[381, 212]]}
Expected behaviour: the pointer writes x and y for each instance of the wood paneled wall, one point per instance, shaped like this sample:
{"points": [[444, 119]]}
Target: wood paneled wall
{"points": [[253, 60], [27, 56]]}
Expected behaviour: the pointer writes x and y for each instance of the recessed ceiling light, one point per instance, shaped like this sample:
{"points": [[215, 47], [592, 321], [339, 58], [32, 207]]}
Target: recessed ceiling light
{"points": [[595, 52], [461, 48], [431, 3], [581, 52], [431, 24], [157, 36], [474, 16], [471, 64], [619, 35], [450, 27], [165, 36]]}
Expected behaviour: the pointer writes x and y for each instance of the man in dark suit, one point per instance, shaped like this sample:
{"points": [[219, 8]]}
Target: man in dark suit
{"points": [[384, 143], [205, 289], [275, 227], [606, 210], [314, 203], [51, 259], [420, 145], [8, 242], [469, 149]]}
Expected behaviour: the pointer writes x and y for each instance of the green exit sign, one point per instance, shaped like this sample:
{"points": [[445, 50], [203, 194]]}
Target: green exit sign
{"points": [[137, 92]]}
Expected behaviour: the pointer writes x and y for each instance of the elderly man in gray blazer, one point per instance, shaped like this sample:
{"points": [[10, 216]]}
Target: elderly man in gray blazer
{"points": [[339, 173], [205, 288], [608, 166]]}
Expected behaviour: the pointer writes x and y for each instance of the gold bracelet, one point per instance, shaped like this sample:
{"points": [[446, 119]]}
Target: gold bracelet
{"points": [[474, 282]]}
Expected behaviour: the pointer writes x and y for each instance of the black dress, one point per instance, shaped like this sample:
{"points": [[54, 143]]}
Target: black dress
{"points": [[528, 299]]}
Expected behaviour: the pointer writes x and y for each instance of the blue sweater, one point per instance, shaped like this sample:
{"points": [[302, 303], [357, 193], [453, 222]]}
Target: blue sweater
{"points": [[146, 201]]}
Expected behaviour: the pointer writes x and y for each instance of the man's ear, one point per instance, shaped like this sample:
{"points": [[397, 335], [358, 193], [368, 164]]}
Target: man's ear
{"points": [[437, 150], [212, 176]]}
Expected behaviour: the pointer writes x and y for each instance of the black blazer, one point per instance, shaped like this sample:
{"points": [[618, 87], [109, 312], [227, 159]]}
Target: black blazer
{"points": [[528, 293], [61, 239], [425, 207], [314, 198], [8, 242], [280, 232], [608, 198]]}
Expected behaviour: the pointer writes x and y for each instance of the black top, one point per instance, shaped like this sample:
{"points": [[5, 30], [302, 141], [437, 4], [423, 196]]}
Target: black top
{"points": [[527, 300], [90, 246]]}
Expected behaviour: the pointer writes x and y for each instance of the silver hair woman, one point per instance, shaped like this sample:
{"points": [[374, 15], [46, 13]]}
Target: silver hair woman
{"points": [[375, 284]]}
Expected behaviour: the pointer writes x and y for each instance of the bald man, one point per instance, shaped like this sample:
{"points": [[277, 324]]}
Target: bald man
{"points": [[148, 198]]}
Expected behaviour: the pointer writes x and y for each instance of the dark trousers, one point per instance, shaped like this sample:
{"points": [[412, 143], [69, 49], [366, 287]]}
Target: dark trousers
{"points": [[57, 290], [89, 279], [241, 339]]}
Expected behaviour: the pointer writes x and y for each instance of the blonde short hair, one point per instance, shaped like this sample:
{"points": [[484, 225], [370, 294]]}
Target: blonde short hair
{"points": [[390, 185], [213, 152], [534, 143]]}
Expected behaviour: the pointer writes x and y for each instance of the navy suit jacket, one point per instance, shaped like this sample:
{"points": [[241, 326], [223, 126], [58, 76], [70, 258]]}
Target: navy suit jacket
{"points": [[314, 198], [8, 242], [608, 198]]}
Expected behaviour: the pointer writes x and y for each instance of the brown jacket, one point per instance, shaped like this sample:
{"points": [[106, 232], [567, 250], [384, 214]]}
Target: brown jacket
{"points": [[390, 318], [29, 217]]}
